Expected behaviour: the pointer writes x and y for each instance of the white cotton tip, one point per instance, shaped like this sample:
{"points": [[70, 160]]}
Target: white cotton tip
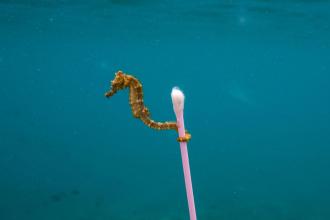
{"points": [[177, 100]]}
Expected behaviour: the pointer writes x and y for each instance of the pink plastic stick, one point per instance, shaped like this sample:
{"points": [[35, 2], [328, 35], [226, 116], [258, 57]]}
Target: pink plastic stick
{"points": [[178, 108], [186, 169]]}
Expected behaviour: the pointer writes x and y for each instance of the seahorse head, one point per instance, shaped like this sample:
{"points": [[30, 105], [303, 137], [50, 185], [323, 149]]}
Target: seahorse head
{"points": [[117, 84]]}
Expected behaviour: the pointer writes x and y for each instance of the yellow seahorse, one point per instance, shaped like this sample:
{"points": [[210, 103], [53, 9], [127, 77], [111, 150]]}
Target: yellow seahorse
{"points": [[122, 81]]}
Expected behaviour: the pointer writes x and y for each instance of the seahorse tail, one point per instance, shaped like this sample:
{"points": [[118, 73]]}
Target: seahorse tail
{"points": [[158, 125]]}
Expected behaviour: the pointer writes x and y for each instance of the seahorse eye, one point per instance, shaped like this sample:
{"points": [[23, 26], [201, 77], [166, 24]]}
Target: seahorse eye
{"points": [[117, 83]]}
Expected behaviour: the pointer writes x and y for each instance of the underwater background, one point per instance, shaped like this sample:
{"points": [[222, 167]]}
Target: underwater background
{"points": [[256, 75]]}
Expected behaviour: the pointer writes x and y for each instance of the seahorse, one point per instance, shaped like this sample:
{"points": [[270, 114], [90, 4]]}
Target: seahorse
{"points": [[139, 110]]}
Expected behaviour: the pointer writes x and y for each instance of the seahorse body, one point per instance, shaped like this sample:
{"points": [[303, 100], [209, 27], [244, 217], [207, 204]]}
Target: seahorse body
{"points": [[136, 102]]}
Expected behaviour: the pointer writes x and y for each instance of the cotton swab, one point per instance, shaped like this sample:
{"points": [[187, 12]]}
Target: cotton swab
{"points": [[178, 106]]}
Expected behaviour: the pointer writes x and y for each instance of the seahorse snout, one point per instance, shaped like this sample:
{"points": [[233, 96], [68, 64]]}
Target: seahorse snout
{"points": [[109, 94]]}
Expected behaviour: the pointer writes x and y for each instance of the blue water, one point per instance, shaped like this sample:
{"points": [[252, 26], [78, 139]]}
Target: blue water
{"points": [[256, 75]]}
